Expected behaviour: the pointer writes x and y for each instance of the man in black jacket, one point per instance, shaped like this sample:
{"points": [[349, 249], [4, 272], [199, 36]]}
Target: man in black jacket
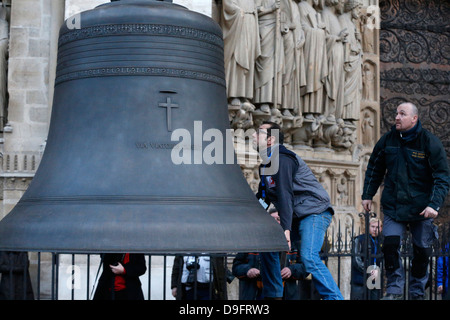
{"points": [[413, 164]]}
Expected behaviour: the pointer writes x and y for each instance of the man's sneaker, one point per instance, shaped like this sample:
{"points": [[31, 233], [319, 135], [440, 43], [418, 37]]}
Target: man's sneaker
{"points": [[392, 296]]}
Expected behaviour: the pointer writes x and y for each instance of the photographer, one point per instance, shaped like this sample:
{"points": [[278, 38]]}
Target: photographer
{"points": [[120, 277], [199, 278]]}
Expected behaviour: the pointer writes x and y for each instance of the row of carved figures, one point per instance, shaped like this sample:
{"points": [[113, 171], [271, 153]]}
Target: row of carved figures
{"points": [[296, 62]]}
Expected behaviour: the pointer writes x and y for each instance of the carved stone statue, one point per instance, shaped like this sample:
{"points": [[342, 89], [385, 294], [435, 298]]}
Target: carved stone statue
{"points": [[293, 41], [367, 28], [367, 129], [316, 67], [336, 36], [353, 61], [368, 75], [299, 38], [241, 45], [269, 65], [342, 190]]}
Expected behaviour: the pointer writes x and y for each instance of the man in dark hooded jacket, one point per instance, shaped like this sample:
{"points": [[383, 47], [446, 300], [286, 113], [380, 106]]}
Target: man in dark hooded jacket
{"points": [[413, 164]]}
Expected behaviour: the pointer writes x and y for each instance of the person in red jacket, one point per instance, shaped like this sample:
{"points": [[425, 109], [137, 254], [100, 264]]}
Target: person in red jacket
{"points": [[120, 277]]}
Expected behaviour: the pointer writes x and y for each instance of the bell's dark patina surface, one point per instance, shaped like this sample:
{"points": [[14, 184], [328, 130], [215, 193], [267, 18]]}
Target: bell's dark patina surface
{"points": [[128, 78]]}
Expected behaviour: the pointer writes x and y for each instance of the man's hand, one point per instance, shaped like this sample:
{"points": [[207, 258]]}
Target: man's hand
{"points": [[253, 273], [429, 213], [286, 273], [287, 234], [119, 269], [367, 205]]}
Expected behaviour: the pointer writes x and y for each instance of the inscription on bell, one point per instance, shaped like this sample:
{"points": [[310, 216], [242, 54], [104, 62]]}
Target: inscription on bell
{"points": [[154, 145]]}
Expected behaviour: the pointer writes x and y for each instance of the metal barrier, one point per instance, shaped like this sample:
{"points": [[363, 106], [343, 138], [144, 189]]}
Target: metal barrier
{"points": [[60, 276]]}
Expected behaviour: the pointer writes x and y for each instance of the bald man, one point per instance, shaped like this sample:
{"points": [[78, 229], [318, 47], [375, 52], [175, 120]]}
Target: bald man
{"points": [[413, 164]]}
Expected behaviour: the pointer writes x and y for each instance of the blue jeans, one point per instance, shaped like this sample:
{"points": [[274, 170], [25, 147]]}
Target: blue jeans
{"points": [[271, 275], [312, 233]]}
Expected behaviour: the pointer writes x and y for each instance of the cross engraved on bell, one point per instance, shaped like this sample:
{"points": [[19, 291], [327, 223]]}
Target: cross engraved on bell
{"points": [[168, 105]]}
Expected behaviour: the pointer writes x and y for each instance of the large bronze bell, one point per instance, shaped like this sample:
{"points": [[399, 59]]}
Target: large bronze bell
{"points": [[129, 76]]}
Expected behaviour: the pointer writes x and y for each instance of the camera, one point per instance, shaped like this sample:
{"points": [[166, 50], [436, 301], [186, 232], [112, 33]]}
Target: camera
{"points": [[192, 265]]}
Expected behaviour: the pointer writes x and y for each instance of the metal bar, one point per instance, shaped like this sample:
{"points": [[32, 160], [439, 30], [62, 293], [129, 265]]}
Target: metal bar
{"points": [[211, 280], [149, 280], [88, 273], [164, 277], [57, 277], [39, 277], [73, 278]]}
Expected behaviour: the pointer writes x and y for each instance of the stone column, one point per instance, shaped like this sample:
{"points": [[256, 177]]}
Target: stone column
{"points": [[32, 39]]}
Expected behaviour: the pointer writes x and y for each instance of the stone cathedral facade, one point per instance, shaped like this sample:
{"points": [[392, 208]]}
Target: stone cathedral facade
{"points": [[313, 66]]}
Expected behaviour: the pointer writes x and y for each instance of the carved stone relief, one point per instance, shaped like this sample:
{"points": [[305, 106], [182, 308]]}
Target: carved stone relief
{"points": [[313, 65]]}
